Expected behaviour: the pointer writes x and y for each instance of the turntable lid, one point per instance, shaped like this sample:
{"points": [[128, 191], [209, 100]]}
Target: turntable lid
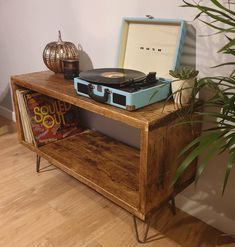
{"points": [[151, 45]]}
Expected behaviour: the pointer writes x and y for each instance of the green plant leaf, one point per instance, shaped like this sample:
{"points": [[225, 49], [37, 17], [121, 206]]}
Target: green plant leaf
{"points": [[230, 142], [198, 15], [184, 72], [228, 45], [205, 141], [213, 150], [218, 28], [230, 51], [220, 104], [218, 4], [157, 91], [208, 11], [219, 115], [230, 165], [223, 64], [228, 38], [205, 9]]}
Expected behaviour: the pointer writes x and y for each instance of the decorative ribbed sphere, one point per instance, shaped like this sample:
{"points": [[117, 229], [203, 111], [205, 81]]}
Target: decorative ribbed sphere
{"points": [[55, 52]]}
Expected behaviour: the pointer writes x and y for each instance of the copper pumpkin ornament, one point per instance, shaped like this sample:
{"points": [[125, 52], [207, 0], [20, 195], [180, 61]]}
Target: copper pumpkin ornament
{"points": [[55, 52]]}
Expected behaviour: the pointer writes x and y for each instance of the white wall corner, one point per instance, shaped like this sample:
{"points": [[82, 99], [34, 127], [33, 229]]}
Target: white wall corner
{"points": [[5, 112], [13, 116], [206, 214]]}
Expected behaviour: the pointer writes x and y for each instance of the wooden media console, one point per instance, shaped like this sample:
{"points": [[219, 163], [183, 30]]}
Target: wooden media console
{"points": [[137, 179]]}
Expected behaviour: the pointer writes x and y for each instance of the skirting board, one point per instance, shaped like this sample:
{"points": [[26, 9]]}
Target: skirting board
{"points": [[206, 214], [5, 112]]}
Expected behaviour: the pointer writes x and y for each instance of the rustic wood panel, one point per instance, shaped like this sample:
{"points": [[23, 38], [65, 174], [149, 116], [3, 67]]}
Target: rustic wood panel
{"points": [[137, 180], [56, 86], [144, 140], [106, 165], [163, 147]]}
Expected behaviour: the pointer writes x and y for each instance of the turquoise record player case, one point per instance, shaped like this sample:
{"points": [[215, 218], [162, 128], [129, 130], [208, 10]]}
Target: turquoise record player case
{"points": [[147, 45]]}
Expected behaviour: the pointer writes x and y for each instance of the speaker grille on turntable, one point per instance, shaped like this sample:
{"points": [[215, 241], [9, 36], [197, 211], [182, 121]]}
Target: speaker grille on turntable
{"points": [[119, 99], [82, 88]]}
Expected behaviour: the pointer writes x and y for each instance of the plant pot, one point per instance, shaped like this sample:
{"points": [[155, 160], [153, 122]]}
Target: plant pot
{"points": [[182, 90]]}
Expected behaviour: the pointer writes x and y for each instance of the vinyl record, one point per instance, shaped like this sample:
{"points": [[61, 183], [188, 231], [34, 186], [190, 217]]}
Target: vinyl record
{"points": [[112, 76]]}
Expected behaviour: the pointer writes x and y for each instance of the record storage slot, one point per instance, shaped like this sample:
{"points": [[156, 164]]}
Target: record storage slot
{"points": [[106, 165]]}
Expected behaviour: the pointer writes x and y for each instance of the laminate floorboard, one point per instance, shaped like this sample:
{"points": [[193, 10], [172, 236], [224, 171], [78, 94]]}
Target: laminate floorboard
{"points": [[52, 209]]}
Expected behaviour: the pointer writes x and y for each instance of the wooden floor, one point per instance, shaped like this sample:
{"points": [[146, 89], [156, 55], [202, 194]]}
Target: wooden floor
{"points": [[52, 209]]}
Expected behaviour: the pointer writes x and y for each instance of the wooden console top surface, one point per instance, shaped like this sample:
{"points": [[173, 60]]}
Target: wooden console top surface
{"points": [[54, 85]]}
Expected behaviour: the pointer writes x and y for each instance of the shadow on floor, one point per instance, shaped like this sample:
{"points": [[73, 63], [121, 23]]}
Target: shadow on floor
{"points": [[6, 126], [185, 230]]}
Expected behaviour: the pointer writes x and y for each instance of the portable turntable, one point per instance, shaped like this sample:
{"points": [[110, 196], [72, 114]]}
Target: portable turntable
{"points": [[148, 46]]}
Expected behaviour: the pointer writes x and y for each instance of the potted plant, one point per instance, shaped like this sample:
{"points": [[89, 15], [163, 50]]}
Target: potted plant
{"points": [[183, 86], [220, 105]]}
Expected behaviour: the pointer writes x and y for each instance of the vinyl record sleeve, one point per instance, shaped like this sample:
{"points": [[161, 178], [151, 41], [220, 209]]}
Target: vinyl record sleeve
{"points": [[50, 119]]}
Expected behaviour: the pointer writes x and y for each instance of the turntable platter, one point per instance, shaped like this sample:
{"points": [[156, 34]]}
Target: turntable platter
{"points": [[112, 76]]}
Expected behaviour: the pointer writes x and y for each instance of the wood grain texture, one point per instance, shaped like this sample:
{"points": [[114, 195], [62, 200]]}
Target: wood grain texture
{"points": [[137, 180], [51, 209], [56, 86], [160, 147], [163, 146], [104, 164]]}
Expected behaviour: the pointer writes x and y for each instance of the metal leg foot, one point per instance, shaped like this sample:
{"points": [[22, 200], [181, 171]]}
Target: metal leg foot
{"points": [[173, 208], [137, 233], [38, 160]]}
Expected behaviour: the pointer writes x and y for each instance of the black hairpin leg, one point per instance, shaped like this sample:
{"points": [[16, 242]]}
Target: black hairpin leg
{"points": [[145, 238], [173, 208], [145, 232], [38, 160]]}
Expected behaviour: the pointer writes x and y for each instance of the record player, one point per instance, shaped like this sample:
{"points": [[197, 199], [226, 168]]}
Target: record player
{"points": [[149, 48]]}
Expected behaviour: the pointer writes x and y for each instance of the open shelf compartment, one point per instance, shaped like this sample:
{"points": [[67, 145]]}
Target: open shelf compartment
{"points": [[104, 164], [137, 179]]}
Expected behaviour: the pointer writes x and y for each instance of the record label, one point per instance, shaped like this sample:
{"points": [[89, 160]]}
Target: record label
{"points": [[112, 74]]}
